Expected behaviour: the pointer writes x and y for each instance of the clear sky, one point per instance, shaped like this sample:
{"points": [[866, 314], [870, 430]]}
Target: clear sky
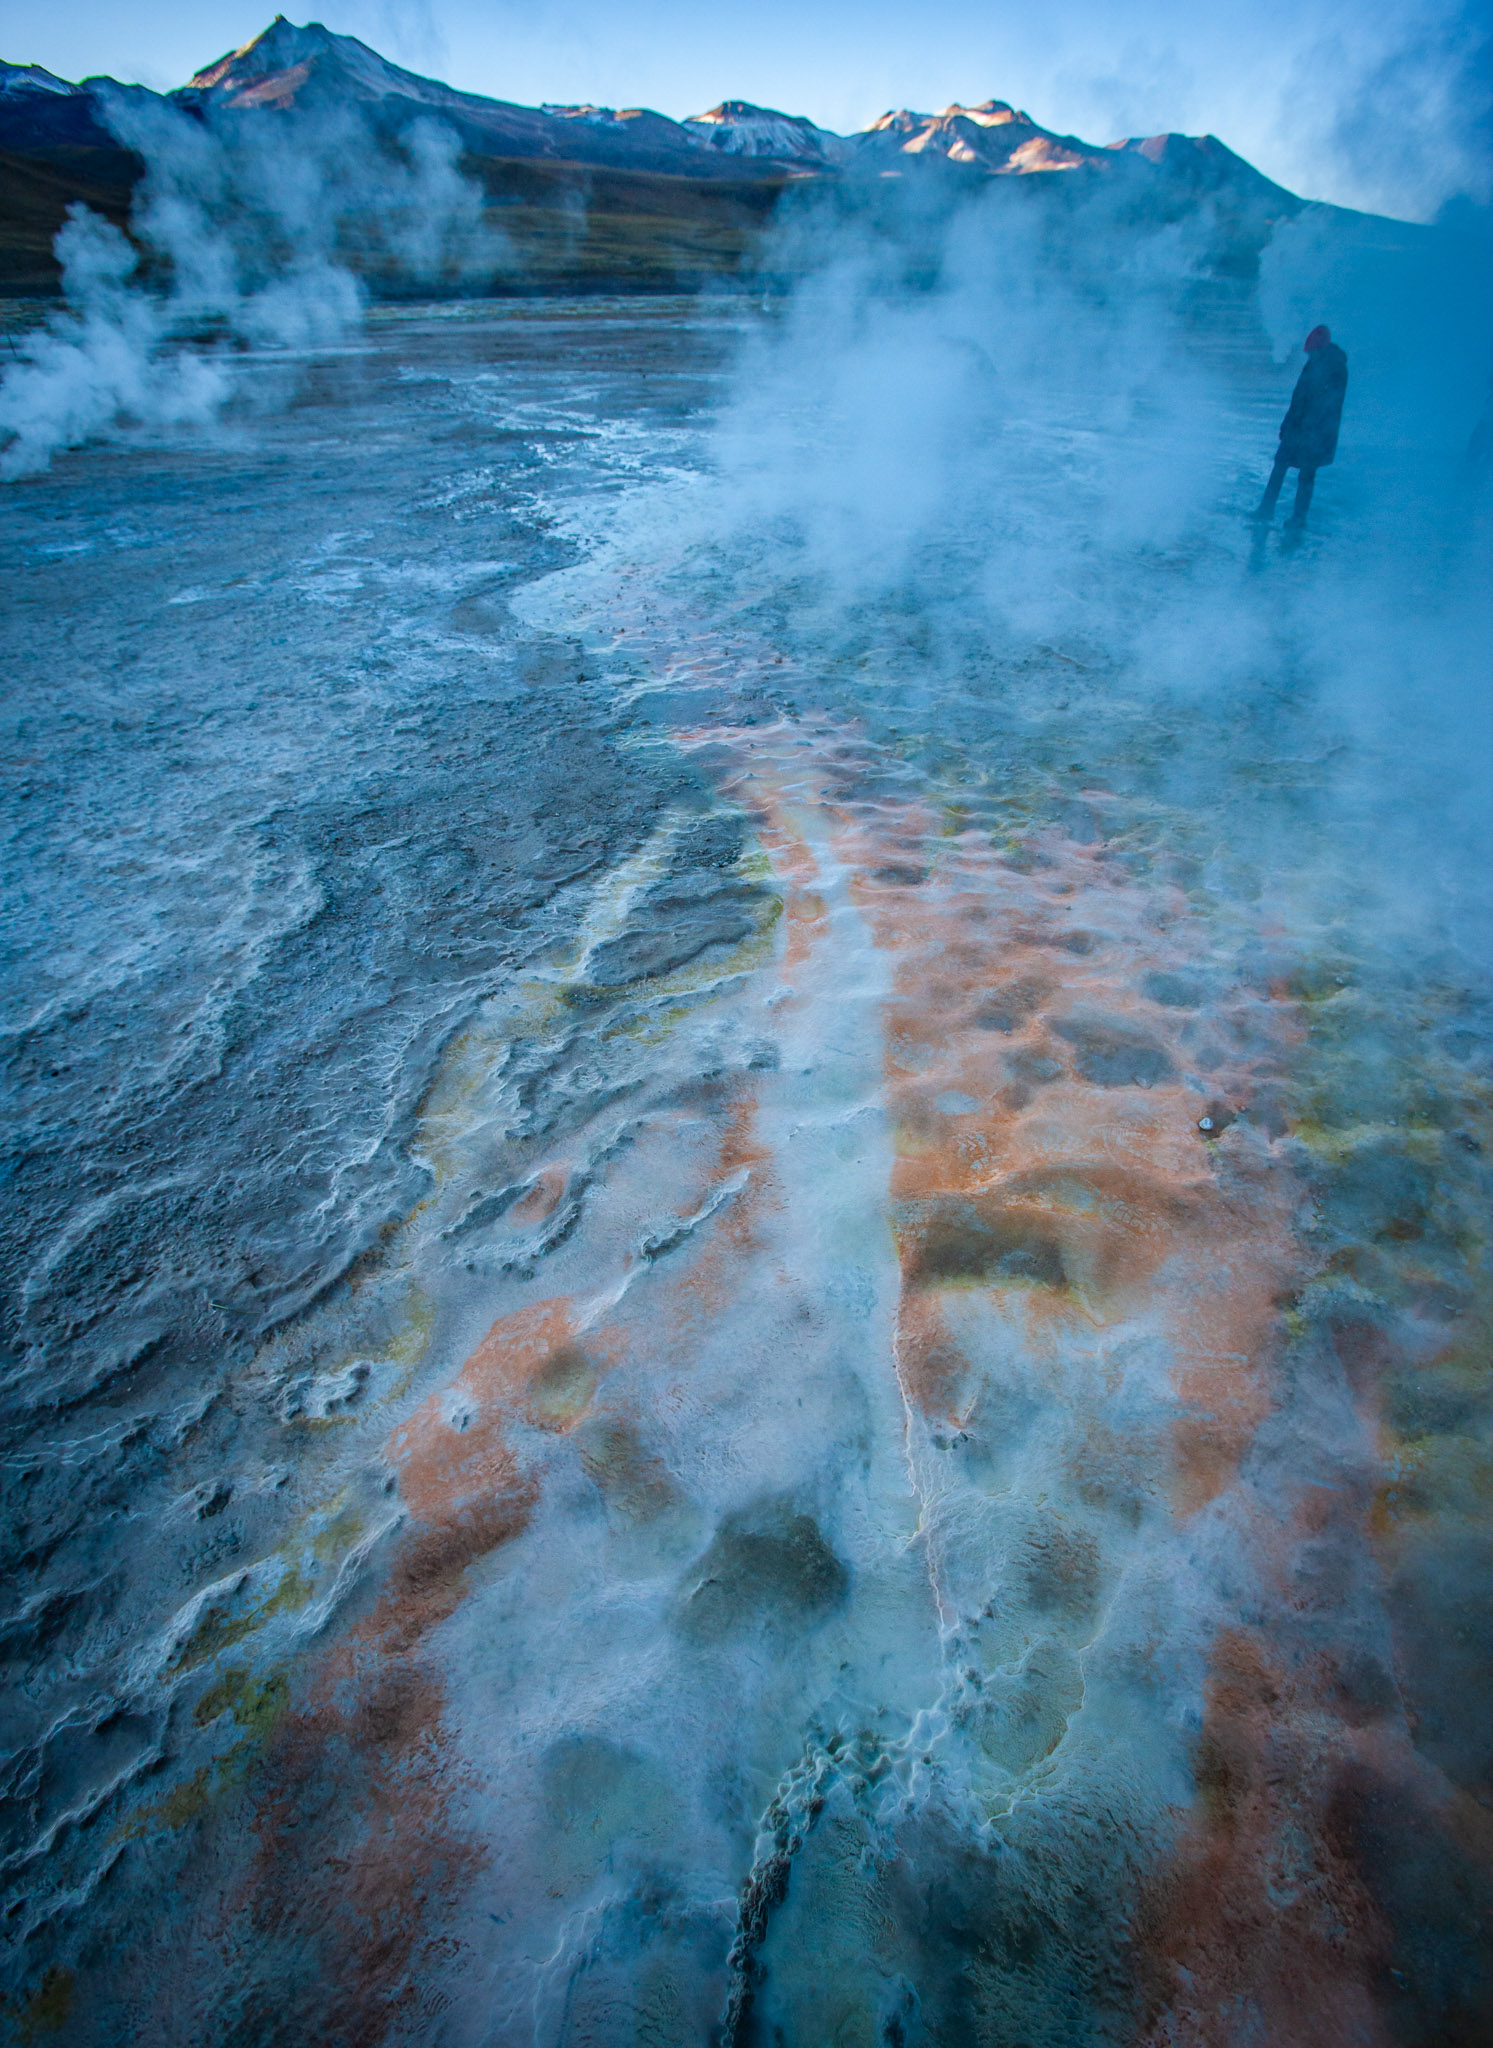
{"points": [[1378, 103]]}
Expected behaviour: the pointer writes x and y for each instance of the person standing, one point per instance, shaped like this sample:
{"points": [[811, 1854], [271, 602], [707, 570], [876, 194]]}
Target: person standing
{"points": [[1308, 433]]}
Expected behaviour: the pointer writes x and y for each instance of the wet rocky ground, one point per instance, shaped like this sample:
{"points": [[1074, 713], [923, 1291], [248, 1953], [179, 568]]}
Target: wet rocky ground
{"points": [[748, 1289]]}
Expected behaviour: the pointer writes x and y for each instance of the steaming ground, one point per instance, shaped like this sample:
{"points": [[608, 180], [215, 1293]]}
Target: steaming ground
{"points": [[749, 1219]]}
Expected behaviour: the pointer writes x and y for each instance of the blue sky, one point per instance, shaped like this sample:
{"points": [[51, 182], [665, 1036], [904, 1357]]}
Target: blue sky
{"points": [[1386, 106]]}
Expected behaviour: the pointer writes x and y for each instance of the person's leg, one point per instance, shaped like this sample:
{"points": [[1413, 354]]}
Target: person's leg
{"points": [[1306, 483], [1272, 489]]}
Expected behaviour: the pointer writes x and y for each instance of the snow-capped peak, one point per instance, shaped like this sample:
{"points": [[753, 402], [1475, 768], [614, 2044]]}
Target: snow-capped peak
{"points": [[1204, 162], [989, 114], [276, 48], [740, 129], [272, 67], [28, 78], [600, 117], [994, 136]]}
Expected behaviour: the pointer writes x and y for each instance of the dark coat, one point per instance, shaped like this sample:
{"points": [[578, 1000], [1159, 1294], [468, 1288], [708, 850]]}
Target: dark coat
{"points": [[1308, 433]]}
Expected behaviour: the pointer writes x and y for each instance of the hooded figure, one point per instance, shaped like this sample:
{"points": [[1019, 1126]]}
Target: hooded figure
{"points": [[1308, 433]]}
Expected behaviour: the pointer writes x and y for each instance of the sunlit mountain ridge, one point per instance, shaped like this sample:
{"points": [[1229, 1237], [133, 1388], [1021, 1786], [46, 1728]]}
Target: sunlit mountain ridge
{"points": [[290, 67]]}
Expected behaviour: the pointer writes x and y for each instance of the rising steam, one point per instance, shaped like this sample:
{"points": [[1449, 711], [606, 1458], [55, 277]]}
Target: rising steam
{"points": [[264, 235]]}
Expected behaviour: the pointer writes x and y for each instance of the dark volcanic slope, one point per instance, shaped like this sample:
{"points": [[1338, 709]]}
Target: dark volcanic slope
{"points": [[35, 194], [578, 227]]}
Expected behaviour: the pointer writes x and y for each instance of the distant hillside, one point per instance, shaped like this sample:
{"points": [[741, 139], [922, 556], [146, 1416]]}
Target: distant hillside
{"points": [[588, 197]]}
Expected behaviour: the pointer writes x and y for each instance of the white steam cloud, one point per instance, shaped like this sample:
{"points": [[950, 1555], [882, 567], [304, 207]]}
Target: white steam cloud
{"points": [[262, 232], [1041, 377], [1018, 440]]}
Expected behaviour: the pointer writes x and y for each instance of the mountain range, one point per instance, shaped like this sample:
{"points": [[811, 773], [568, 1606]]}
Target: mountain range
{"points": [[289, 67], [721, 170]]}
